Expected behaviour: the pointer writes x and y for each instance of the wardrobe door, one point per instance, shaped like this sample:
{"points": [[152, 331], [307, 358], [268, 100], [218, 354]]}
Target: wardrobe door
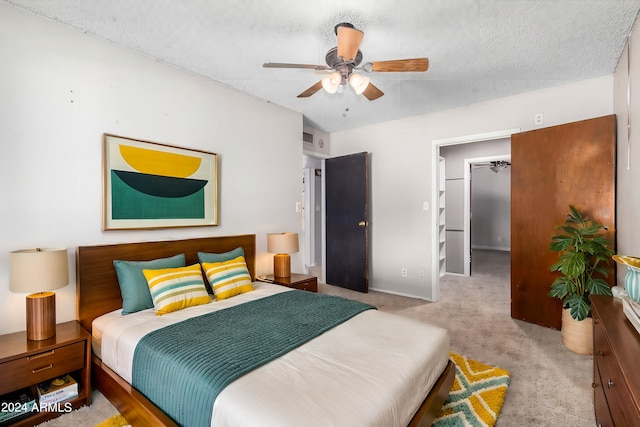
{"points": [[552, 168]]}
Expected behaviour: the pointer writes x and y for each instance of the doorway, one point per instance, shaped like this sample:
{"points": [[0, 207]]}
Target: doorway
{"points": [[350, 271], [313, 215], [487, 206], [459, 148]]}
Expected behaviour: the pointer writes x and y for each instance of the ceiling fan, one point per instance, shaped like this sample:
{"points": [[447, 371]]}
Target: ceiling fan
{"points": [[343, 59], [496, 165]]}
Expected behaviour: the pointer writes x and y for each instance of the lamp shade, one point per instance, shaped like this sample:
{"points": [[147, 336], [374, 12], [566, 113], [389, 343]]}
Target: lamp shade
{"points": [[38, 270], [358, 83], [282, 243], [331, 82]]}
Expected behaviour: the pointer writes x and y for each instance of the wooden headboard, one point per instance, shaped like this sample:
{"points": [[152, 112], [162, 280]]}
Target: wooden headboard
{"points": [[97, 289]]}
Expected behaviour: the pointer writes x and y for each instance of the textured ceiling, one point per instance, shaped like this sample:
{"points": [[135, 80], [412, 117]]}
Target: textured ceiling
{"points": [[478, 49]]}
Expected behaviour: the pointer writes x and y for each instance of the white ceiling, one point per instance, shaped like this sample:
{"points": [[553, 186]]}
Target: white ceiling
{"points": [[478, 49]]}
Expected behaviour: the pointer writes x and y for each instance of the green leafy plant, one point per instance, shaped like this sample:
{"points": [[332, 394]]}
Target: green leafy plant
{"points": [[584, 254]]}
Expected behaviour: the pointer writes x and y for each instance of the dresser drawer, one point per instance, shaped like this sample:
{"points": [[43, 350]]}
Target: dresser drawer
{"points": [[621, 406], [33, 369], [600, 405]]}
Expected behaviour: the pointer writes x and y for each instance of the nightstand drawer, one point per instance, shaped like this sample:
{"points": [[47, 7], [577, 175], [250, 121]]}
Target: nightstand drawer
{"points": [[33, 369], [310, 285], [302, 282]]}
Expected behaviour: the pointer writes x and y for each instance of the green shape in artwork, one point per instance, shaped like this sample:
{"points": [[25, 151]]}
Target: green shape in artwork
{"points": [[129, 203], [160, 185]]}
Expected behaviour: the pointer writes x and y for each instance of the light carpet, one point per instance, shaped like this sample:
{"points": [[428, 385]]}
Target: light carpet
{"points": [[476, 396]]}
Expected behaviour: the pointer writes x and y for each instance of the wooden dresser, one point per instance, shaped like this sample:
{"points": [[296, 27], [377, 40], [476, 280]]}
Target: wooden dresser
{"points": [[616, 365]]}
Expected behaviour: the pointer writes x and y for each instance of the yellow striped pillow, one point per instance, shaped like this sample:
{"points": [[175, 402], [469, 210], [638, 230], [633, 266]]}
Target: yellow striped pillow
{"points": [[173, 289], [228, 278]]}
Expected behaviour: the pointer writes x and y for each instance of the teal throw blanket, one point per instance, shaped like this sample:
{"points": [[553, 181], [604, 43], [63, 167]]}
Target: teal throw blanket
{"points": [[183, 367]]}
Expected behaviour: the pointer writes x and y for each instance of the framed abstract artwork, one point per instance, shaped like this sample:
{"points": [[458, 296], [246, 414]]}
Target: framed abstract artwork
{"points": [[153, 185]]}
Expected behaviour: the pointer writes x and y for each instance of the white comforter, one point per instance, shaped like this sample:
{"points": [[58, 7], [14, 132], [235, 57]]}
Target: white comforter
{"points": [[373, 370]]}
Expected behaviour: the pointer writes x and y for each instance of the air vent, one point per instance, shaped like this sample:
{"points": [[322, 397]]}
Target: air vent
{"points": [[307, 137]]}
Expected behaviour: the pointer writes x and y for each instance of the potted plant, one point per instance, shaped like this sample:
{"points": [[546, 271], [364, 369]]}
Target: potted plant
{"points": [[584, 254]]}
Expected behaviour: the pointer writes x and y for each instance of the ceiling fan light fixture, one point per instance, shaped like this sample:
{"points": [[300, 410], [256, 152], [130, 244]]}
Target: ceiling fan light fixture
{"points": [[331, 82], [358, 83], [499, 165], [345, 58]]}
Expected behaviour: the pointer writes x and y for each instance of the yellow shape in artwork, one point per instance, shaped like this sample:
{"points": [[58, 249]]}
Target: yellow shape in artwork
{"points": [[161, 163]]}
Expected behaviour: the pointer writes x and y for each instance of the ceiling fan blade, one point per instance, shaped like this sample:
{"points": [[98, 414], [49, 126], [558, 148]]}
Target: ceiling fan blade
{"points": [[285, 65], [401, 65], [313, 89], [372, 92], [349, 40]]}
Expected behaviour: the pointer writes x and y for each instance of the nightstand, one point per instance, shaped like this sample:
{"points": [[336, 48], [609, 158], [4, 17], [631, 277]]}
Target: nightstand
{"points": [[24, 364], [296, 281]]}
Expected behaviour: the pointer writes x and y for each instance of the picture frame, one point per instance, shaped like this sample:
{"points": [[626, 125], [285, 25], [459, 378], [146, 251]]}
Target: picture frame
{"points": [[149, 185]]}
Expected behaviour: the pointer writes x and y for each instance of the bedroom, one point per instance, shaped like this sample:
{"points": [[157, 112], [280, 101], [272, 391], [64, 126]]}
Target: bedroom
{"points": [[50, 155]]}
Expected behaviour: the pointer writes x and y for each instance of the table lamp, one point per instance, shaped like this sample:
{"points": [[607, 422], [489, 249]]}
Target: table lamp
{"points": [[282, 244], [40, 271]]}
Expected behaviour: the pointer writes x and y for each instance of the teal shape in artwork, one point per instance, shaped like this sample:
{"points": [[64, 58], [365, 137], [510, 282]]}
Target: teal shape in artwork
{"points": [[156, 197], [161, 186]]}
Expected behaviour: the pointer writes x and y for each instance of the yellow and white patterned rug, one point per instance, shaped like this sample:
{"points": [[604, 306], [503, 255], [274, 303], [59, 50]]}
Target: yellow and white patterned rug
{"points": [[476, 396], [115, 421]]}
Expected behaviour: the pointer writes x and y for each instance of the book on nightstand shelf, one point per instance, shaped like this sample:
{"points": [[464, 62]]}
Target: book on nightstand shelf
{"points": [[15, 406], [57, 390]]}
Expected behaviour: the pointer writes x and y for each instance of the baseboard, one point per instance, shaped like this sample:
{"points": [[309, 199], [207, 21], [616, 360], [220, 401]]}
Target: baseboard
{"points": [[492, 248], [400, 294]]}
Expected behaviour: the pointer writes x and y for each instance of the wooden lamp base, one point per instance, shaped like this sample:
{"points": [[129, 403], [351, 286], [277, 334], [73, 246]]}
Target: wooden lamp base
{"points": [[41, 316], [281, 265]]}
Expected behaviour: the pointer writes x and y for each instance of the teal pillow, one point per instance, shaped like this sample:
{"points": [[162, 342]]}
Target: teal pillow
{"points": [[225, 256], [133, 285]]}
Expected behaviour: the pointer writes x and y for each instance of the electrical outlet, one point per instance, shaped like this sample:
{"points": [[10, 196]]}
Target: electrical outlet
{"points": [[422, 273], [425, 206], [499, 238], [538, 119], [403, 273]]}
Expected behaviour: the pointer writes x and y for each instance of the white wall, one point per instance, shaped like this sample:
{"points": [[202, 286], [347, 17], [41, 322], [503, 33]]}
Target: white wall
{"points": [[628, 173], [60, 90], [321, 145], [491, 209], [401, 169]]}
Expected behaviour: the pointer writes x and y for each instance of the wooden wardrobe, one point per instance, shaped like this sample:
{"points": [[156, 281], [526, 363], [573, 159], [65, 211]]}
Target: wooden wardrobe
{"points": [[552, 168]]}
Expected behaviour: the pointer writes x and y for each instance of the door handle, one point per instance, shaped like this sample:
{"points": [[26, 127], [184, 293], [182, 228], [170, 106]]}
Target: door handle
{"points": [[362, 224]]}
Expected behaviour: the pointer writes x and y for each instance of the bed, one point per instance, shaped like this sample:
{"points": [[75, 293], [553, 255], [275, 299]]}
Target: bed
{"points": [[99, 297]]}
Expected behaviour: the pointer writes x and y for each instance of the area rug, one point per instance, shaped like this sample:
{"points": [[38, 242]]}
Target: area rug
{"points": [[476, 396], [115, 421]]}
